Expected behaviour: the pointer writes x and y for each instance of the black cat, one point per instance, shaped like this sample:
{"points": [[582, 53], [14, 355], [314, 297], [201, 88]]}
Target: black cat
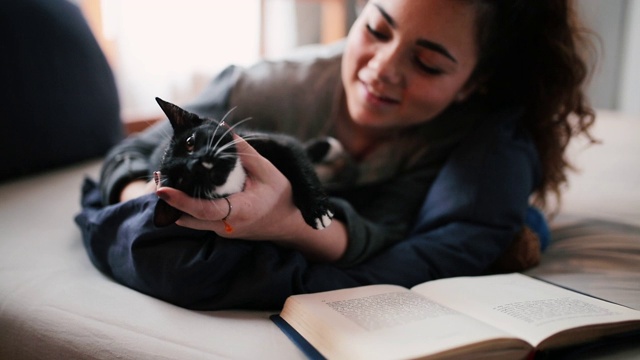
{"points": [[201, 160]]}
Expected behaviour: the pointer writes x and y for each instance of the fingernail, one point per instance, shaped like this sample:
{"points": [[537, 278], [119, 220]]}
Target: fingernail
{"points": [[156, 177]]}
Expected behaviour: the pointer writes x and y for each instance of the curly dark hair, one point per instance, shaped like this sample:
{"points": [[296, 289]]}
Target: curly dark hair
{"points": [[534, 53]]}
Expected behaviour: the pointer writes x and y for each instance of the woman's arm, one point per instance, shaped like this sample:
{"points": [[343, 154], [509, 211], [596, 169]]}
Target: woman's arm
{"points": [[130, 162], [468, 219]]}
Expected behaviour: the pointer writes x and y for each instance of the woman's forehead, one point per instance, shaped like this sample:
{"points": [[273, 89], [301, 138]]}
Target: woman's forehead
{"points": [[450, 23]]}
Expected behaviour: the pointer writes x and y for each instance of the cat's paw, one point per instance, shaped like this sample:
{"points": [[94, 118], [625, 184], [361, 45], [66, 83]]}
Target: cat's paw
{"points": [[317, 214], [323, 221]]}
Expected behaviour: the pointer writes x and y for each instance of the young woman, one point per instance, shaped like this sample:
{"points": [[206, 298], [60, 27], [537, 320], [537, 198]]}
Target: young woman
{"points": [[454, 116]]}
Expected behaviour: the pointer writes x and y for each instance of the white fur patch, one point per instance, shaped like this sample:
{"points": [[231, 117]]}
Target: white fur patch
{"points": [[335, 150], [235, 181], [329, 166]]}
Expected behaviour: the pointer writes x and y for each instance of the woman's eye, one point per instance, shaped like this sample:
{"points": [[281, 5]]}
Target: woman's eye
{"points": [[376, 34], [428, 69], [190, 144]]}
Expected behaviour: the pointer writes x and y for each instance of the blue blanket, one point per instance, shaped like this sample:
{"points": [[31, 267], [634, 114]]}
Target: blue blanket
{"points": [[201, 270]]}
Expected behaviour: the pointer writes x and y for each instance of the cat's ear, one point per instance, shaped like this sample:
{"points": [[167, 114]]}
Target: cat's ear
{"points": [[180, 119]]}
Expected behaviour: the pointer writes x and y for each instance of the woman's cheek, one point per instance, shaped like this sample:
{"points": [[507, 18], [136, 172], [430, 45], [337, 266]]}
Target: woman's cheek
{"points": [[435, 95]]}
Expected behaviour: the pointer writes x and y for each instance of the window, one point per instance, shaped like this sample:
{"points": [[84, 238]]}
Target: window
{"points": [[171, 48]]}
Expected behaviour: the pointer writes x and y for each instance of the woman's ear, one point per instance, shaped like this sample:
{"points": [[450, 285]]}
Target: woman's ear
{"points": [[464, 95], [470, 88], [461, 96]]}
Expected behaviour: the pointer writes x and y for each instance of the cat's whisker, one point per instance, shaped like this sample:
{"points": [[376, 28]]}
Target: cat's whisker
{"points": [[211, 196], [166, 133], [225, 147], [239, 123], [236, 141], [215, 131], [146, 177], [212, 139], [161, 179], [248, 154], [230, 129], [227, 157], [227, 114], [218, 142], [255, 136], [220, 151]]}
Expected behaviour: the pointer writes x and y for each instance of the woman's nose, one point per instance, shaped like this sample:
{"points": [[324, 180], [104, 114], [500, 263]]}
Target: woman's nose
{"points": [[386, 66]]}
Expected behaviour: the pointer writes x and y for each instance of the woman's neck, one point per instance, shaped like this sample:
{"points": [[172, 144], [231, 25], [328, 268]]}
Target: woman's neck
{"points": [[360, 141]]}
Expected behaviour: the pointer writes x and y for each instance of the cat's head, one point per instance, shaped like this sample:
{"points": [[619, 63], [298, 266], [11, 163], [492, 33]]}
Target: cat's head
{"points": [[201, 159]]}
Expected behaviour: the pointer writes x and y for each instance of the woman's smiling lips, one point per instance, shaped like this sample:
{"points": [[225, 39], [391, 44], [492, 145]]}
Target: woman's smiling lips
{"points": [[375, 98]]}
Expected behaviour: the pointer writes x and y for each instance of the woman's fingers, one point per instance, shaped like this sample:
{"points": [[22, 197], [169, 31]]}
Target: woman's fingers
{"points": [[254, 163], [203, 209], [255, 213]]}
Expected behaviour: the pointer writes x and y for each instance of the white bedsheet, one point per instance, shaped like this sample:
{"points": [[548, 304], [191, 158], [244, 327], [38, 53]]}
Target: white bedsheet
{"points": [[606, 184]]}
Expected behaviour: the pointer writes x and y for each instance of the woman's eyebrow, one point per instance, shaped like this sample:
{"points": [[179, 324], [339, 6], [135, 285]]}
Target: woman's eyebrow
{"points": [[427, 44], [386, 16], [437, 48]]}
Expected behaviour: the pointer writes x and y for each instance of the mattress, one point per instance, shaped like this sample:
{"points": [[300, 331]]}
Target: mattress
{"points": [[55, 305]]}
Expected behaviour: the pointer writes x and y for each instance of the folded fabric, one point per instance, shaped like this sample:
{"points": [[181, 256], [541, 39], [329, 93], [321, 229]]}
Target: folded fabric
{"points": [[201, 270]]}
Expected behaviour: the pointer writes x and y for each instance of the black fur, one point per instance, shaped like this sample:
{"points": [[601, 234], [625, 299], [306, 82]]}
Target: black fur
{"points": [[201, 156]]}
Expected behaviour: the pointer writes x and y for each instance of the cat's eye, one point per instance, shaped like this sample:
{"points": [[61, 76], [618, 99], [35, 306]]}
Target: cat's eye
{"points": [[190, 143]]}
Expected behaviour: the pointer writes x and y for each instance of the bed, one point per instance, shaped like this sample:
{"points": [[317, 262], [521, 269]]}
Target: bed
{"points": [[55, 305]]}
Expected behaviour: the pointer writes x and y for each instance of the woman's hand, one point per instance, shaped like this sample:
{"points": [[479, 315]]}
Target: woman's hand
{"points": [[264, 210]]}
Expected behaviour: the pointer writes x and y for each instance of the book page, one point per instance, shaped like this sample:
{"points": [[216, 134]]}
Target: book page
{"points": [[528, 308], [383, 321]]}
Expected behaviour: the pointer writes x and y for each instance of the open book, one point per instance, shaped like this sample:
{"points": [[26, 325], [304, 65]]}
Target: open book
{"points": [[498, 316]]}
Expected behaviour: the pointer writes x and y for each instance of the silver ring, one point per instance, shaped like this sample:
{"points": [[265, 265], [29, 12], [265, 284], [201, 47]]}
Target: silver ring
{"points": [[230, 208]]}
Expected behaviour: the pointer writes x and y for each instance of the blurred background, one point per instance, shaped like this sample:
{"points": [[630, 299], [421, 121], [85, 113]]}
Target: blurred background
{"points": [[171, 48]]}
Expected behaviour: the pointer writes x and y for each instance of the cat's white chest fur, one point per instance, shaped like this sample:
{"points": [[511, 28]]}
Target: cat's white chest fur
{"points": [[235, 181]]}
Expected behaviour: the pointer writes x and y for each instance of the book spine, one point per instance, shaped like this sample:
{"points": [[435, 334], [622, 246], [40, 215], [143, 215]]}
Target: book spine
{"points": [[297, 339]]}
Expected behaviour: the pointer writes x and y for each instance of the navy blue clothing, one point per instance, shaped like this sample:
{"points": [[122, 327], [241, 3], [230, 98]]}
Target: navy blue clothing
{"points": [[473, 207]]}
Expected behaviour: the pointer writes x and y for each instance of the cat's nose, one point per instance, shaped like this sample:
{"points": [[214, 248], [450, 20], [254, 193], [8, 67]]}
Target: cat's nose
{"points": [[199, 165]]}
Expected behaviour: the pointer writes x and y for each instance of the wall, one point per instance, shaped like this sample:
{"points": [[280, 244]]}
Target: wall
{"points": [[616, 81], [208, 34], [630, 80]]}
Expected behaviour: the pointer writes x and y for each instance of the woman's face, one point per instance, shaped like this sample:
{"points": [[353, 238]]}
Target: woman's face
{"points": [[407, 60]]}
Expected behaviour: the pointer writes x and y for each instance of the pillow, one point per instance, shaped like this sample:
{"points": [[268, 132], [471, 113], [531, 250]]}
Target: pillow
{"points": [[60, 102]]}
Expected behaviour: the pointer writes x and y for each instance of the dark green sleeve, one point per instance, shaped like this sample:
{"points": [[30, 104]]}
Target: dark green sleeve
{"points": [[380, 215], [130, 160]]}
